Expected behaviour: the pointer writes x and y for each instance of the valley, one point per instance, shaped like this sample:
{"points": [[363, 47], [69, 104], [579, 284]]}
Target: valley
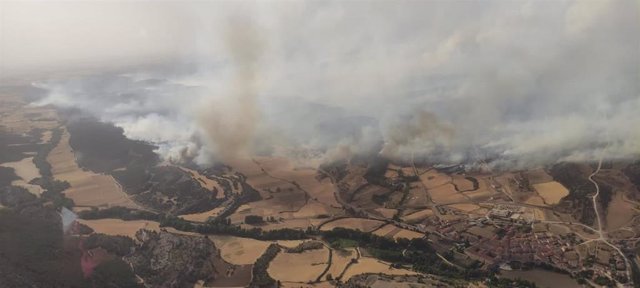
{"points": [[275, 220]]}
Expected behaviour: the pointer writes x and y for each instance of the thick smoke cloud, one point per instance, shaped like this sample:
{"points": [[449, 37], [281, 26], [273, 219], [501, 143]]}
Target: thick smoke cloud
{"points": [[230, 122], [415, 134], [515, 83]]}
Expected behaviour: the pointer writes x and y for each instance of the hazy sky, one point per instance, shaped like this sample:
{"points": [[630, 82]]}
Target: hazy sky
{"points": [[528, 81]]}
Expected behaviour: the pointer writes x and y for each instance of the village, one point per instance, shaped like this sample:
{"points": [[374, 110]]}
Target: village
{"points": [[508, 237]]}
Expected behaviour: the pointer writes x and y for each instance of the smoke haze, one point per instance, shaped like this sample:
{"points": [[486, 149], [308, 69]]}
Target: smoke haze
{"points": [[230, 122], [520, 83]]}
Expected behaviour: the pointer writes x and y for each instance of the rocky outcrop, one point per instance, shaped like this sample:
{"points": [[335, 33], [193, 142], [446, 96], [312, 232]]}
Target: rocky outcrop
{"points": [[168, 189], [168, 260]]}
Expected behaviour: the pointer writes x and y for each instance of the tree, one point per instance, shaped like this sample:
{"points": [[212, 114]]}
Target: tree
{"points": [[114, 273], [253, 219]]}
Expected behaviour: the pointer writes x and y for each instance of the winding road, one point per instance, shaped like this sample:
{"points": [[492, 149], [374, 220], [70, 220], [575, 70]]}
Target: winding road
{"points": [[603, 237], [595, 197]]}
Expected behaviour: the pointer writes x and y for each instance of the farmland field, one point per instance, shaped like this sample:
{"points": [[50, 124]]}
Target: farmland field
{"points": [[20, 118], [361, 224], [538, 176], [386, 230], [552, 192], [462, 183], [446, 193], [120, 227], [340, 260], [417, 196], [535, 200], [87, 188], [618, 212], [466, 207], [202, 217], [238, 250], [433, 179], [299, 267], [386, 212], [418, 215], [395, 232], [371, 265], [26, 170]]}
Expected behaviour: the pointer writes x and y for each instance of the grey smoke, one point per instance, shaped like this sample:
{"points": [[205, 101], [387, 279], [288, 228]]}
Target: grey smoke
{"points": [[230, 122], [419, 132], [521, 83]]}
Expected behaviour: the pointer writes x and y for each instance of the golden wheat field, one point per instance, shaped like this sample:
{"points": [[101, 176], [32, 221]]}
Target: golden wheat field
{"points": [[238, 250], [552, 192], [87, 188], [120, 227], [299, 267]]}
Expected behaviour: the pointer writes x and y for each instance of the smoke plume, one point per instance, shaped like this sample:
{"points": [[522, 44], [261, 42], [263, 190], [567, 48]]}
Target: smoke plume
{"points": [[513, 83], [230, 121]]}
